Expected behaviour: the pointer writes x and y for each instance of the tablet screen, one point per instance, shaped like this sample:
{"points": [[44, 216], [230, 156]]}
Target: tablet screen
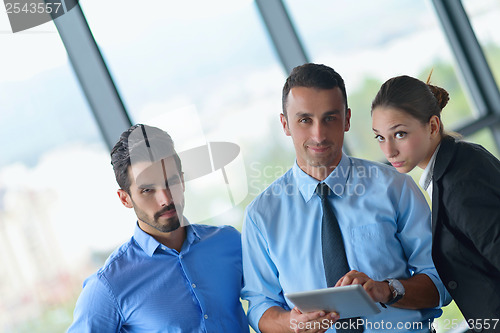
{"points": [[348, 301]]}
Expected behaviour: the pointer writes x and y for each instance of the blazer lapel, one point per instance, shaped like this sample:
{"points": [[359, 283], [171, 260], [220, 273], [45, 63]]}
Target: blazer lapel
{"points": [[435, 207], [443, 159]]}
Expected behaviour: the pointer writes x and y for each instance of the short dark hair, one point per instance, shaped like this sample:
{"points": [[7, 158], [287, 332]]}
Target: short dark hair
{"points": [[313, 76], [130, 148], [412, 96]]}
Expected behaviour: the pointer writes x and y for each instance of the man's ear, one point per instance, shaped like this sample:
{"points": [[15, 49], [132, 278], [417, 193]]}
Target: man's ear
{"points": [[284, 123], [347, 124], [125, 198]]}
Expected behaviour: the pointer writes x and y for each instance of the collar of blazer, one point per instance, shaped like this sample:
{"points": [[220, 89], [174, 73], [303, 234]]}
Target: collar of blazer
{"points": [[443, 160], [444, 156]]}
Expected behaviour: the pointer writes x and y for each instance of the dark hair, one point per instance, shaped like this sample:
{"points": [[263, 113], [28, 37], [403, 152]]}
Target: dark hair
{"points": [[131, 147], [420, 100], [313, 76]]}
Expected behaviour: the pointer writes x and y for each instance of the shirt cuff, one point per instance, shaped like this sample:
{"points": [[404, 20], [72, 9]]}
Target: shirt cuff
{"points": [[257, 311], [444, 295]]}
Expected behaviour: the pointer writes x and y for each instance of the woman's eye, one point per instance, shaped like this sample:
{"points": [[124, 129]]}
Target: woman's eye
{"points": [[400, 135], [379, 138]]}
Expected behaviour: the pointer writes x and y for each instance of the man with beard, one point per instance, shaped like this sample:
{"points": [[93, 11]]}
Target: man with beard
{"points": [[171, 276]]}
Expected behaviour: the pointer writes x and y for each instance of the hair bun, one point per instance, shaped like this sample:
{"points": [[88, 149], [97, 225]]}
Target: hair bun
{"points": [[441, 95]]}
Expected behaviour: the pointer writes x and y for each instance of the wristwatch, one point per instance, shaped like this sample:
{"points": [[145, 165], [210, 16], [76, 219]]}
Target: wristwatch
{"points": [[397, 289]]}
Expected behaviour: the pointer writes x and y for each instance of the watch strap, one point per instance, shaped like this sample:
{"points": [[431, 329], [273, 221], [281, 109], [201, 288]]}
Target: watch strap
{"points": [[396, 295]]}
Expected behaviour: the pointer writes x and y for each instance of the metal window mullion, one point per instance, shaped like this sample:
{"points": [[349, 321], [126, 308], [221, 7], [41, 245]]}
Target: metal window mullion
{"points": [[479, 124], [283, 35], [471, 61], [93, 75]]}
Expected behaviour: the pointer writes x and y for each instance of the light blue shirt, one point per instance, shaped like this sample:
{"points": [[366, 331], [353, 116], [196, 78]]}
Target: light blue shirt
{"points": [[145, 286], [385, 224]]}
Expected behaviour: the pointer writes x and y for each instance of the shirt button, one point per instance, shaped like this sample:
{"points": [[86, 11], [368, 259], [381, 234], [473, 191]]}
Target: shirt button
{"points": [[180, 256], [452, 285], [205, 316], [193, 285]]}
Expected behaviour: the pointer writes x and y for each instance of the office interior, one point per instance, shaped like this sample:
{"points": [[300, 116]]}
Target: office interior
{"points": [[206, 71]]}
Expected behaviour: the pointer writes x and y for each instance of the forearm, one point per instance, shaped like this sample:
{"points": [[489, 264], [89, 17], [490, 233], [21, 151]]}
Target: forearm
{"points": [[275, 320], [420, 293]]}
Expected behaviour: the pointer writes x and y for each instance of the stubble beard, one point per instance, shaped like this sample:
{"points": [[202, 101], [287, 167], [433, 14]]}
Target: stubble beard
{"points": [[173, 223]]}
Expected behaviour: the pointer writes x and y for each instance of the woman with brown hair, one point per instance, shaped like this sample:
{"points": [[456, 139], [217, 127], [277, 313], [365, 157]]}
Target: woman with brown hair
{"points": [[463, 181]]}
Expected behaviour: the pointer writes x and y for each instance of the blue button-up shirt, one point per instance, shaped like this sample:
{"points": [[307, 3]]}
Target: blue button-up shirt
{"points": [[385, 224], [145, 286]]}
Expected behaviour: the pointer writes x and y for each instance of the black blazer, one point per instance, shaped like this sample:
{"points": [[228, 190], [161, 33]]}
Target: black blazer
{"points": [[466, 227]]}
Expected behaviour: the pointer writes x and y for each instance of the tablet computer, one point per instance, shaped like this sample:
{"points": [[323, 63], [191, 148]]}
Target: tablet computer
{"points": [[348, 301]]}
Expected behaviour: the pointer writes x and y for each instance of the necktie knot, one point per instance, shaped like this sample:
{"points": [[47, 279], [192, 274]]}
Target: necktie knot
{"points": [[323, 191]]}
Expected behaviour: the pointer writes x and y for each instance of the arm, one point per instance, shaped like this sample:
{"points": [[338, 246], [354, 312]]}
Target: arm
{"points": [[95, 309], [275, 319], [261, 287], [267, 309], [420, 291], [423, 287]]}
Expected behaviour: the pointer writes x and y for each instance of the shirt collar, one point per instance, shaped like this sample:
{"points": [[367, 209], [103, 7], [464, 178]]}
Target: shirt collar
{"points": [[149, 245], [336, 180], [426, 178]]}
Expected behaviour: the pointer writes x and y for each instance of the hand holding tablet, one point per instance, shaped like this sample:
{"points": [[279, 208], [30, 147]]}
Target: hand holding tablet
{"points": [[348, 301]]}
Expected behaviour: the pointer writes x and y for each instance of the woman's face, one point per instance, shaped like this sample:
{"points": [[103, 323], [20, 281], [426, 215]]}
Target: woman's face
{"points": [[404, 140]]}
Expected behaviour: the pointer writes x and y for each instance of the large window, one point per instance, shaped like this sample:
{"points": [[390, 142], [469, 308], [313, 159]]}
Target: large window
{"points": [[58, 210], [204, 71], [368, 42], [484, 15]]}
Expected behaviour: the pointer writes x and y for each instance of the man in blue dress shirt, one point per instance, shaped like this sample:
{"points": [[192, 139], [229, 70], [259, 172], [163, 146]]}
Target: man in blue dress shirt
{"points": [[171, 276], [383, 217]]}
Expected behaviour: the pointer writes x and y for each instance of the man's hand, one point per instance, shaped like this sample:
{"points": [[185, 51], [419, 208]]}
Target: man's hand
{"points": [[311, 322], [277, 320], [379, 291], [420, 291]]}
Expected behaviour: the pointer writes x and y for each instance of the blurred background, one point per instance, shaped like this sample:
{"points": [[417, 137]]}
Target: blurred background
{"points": [[206, 71]]}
